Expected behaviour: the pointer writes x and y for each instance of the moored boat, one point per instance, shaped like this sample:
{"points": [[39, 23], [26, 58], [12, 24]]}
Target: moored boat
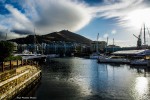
{"points": [[113, 59], [94, 56], [140, 62]]}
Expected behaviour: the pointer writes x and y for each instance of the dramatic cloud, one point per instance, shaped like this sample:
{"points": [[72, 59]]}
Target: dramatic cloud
{"points": [[128, 13], [47, 16]]}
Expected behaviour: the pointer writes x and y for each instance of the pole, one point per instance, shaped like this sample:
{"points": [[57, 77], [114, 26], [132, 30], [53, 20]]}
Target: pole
{"points": [[113, 44], [144, 36], [97, 43], [34, 42], [106, 45], [6, 37]]}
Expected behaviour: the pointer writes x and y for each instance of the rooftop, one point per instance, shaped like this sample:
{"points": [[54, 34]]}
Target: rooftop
{"points": [[131, 51]]}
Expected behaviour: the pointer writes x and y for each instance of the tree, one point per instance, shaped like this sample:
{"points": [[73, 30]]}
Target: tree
{"points": [[6, 49]]}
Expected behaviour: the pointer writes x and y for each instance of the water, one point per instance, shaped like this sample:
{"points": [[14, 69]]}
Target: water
{"points": [[85, 79]]}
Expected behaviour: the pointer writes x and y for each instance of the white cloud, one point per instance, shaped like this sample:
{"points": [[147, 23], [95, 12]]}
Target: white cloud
{"points": [[128, 13], [55, 15], [105, 35], [113, 31], [19, 20]]}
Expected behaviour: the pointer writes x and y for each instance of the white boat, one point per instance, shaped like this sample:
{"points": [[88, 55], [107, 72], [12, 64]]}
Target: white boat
{"points": [[140, 62], [113, 59], [27, 53], [94, 56], [53, 55]]}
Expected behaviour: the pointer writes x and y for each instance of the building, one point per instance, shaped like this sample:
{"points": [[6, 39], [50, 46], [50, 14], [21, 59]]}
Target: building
{"points": [[59, 47], [112, 48], [132, 53], [100, 45]]}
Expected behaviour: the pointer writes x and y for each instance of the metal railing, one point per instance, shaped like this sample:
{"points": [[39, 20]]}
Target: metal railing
{"points": [[9, 65]]}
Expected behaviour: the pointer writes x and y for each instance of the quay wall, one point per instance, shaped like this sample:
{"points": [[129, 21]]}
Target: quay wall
{"points": [[13, 82]]}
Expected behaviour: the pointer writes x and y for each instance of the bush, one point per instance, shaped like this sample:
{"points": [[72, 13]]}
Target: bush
{"points": [[13, 58], [6, 49]]}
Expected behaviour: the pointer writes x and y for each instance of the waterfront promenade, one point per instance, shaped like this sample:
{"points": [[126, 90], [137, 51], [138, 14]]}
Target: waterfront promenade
{"points": [[16, 76]]}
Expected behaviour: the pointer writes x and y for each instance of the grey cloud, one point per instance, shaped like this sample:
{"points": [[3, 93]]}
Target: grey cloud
{"points": [[22, 32]]}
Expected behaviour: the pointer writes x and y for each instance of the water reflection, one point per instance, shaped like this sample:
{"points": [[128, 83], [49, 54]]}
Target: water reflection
{"points": [[83, 79], [141, 85]]}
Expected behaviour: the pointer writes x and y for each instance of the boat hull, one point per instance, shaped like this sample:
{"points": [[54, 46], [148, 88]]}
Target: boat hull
{"points": [[139, 63], [124, 61]]}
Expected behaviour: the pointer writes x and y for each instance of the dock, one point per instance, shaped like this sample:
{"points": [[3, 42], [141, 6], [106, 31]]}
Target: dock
{"points": [[34, 57]]}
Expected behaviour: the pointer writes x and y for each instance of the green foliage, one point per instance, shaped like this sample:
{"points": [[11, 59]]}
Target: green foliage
{"points": [[13, 58], [6, 49]]}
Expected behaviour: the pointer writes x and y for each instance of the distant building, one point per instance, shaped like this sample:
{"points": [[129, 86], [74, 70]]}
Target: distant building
{"points": [[55, 47], [131, 53], [59, 47], [112, 48], [100, 44]]}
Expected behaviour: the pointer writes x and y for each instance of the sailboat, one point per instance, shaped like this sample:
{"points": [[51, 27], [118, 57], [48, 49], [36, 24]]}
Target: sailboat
{"points": [[96, 54], [27, 52]]}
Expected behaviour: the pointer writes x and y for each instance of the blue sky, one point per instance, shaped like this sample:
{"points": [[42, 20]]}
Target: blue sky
{"points": [[118, 19]]}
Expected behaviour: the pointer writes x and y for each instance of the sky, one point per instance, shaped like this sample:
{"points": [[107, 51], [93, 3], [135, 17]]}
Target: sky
{"points": [[118, 19]]}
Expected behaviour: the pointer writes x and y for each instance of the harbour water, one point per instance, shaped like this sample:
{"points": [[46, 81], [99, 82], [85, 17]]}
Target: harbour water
{"points": [[84, 79]]}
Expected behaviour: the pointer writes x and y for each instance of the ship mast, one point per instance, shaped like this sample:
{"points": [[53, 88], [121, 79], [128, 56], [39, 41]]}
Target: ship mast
{"points": [[34, 42], [97, 43], [144, 36]]}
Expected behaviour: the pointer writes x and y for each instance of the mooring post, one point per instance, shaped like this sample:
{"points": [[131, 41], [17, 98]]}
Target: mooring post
{"points": [[26, 61], [36, 64], [3, 63], [17, 63], [22, 62], [10, 64], [31, 62]]}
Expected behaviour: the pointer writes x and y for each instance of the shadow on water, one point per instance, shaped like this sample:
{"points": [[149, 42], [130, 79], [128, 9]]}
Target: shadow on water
{"points": [[55, 83], [61, 69]]}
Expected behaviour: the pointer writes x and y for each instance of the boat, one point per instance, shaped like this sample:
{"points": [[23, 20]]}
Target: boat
{"points": [[140, 62], [26, 54], [113, 59], [53, 56], [94, 56]]}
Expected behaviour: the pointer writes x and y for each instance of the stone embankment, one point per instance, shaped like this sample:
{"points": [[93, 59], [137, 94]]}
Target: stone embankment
{"points": [[16, 80]]}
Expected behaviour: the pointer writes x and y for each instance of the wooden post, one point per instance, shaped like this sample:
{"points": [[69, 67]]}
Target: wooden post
{"points": [[17, 63], [10, 64], [22, 62], [3, 64], [26, 61], [36, 64], [31, 62]]}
